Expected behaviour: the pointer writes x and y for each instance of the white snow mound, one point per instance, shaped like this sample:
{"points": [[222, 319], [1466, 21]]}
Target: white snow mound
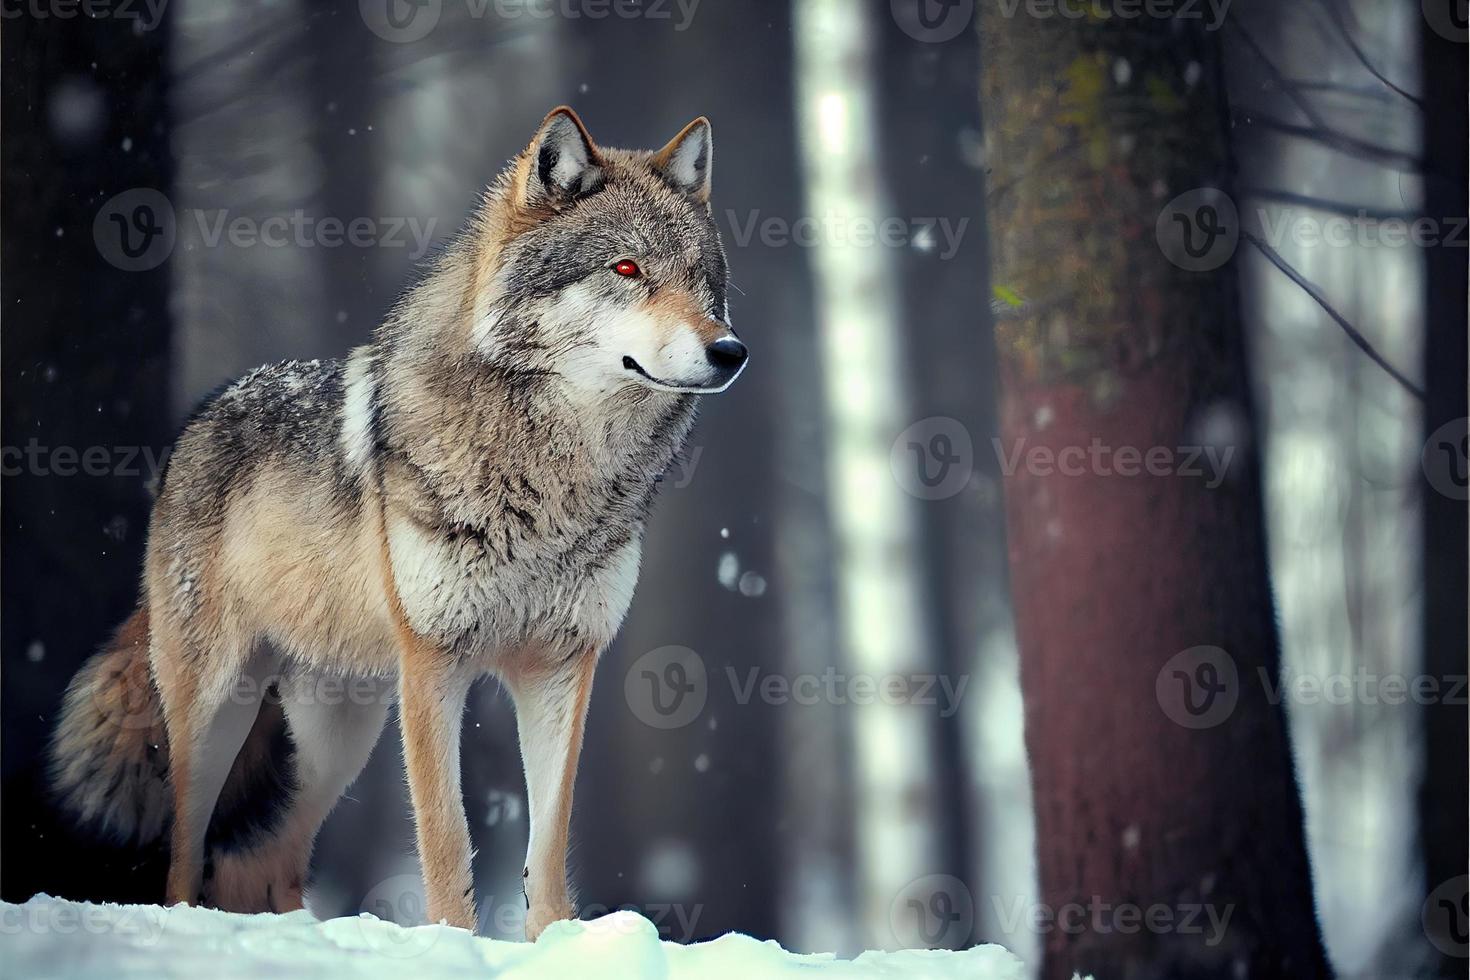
{"points": [[54, 938]]}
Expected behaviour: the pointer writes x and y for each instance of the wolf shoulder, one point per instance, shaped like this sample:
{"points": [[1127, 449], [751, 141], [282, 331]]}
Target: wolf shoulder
{"points": [[284, 417]]}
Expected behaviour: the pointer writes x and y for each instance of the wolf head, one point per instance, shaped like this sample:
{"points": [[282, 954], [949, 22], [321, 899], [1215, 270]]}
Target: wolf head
{"points": [[607, 270]]}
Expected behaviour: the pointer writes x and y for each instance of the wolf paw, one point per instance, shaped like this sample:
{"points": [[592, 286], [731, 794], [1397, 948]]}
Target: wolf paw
{"points": [[248, 881], [538, 917]]}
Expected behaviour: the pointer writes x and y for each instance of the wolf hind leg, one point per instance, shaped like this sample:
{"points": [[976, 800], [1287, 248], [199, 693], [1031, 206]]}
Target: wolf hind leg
{"points": [[207, 714], [333, 726]]}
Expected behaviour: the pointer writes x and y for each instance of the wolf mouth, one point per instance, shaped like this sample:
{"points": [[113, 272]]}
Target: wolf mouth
{"points": [[636, 368]]}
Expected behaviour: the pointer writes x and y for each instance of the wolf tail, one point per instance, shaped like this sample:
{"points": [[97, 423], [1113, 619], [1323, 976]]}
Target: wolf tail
{"points": [[109, 755]]}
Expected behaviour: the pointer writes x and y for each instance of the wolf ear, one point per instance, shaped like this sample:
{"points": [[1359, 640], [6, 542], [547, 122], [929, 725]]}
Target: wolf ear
{"points": [[564, 164], [687, 160]]}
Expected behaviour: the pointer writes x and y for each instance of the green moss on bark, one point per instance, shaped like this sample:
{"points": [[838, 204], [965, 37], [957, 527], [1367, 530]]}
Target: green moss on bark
{"points": [[1091, 128]]}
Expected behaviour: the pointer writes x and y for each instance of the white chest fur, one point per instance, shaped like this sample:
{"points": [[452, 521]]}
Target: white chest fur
{"points": [[455, 591]]}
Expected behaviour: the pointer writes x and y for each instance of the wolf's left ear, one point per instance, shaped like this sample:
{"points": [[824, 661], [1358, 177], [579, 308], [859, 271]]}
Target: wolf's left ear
{"points": [[563, 160], [687, 160]]}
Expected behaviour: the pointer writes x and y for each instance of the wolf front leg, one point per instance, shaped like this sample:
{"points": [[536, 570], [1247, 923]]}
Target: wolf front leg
{"points": [[432, 697], [551, 708]]}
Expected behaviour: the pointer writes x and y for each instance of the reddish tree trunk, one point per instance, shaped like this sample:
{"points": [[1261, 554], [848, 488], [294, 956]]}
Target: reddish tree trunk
{"points": [[1169, 824]]}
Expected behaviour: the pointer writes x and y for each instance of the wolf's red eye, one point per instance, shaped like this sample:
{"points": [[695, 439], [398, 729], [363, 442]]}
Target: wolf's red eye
{"points": [[627, 267]]}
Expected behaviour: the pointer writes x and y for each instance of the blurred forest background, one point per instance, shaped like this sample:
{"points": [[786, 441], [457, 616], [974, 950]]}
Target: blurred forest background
{"points": [[796, 540]]}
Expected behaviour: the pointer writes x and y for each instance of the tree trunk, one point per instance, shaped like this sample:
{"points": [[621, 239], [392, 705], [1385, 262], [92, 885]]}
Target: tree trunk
{"points": [[1169, 826], [87, 238], [1443, 792]]}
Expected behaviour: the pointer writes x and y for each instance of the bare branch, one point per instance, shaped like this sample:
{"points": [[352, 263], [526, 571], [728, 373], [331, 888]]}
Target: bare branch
{"points": [[1370, 93], [1331, 138], [1335, 15], [1353, 334], [1281, 81]]}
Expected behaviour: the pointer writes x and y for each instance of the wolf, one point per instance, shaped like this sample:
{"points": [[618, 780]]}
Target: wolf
{"points": [[464, 495]]}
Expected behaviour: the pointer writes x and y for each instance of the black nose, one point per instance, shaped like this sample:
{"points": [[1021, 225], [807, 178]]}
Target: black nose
{"points": [[727, 354]]}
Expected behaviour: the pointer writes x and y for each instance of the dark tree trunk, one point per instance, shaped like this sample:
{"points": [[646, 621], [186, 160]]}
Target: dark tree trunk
{"points": [[1443, 793], [86, 354], [1146, 796]]}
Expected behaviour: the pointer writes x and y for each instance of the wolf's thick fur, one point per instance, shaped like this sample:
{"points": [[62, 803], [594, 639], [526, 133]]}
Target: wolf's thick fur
{"points": [[464, 495], [110, 770], [110, 752]]}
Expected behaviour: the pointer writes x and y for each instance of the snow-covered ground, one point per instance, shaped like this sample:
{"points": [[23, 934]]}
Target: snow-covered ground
{"points": [[52, 938]]}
